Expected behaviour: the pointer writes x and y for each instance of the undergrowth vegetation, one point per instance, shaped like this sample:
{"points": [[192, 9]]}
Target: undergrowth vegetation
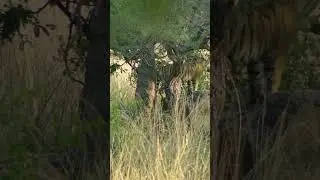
{"points": [[158, 146]]}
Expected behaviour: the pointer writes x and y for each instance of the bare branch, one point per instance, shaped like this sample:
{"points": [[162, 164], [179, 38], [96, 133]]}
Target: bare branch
{"points": [[43, 7]]}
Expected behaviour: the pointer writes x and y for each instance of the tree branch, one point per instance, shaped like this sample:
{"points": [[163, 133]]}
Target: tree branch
{"points": [[43, 7], [64, 10]]}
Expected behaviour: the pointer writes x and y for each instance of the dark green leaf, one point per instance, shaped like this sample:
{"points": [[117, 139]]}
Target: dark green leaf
{"points": [[114, 68]]}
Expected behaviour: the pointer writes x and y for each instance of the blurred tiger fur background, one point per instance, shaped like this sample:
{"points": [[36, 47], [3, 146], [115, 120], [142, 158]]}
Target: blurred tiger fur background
{"points": [[251, 43]]}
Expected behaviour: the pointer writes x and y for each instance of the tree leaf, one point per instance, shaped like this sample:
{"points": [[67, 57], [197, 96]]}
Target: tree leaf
{"points": [[114, 68]]}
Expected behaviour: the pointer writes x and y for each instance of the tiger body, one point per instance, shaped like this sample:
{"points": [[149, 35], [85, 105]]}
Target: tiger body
{"points": [[258, 37], [193, 68]]}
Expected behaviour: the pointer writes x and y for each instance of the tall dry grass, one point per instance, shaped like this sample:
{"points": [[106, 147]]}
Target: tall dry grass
{"points": [[294, 153], [156, 147], [291, 153], [38, 108]]}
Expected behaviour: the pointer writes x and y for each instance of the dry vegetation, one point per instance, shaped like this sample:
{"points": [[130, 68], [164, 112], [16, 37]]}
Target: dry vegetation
{"points": [[38, 105], [295, 154], [144, 149]]}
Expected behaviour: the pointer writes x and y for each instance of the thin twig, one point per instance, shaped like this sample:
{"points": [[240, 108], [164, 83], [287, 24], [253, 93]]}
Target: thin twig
{"points": [[43, 7]]}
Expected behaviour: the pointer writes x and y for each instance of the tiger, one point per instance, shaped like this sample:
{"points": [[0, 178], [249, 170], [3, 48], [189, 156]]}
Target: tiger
{"points": [[175, 69], [256, 35], [260, 37], [194, 66]]}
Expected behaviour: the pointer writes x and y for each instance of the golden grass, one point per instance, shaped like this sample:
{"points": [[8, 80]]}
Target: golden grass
{"points": [[144, 149]]}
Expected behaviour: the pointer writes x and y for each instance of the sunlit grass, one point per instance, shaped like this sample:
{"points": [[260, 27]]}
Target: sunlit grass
{"points": [[143, 149]]}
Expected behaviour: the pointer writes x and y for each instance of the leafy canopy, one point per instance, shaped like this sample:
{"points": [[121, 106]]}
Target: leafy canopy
{"points": [[136, 21]]}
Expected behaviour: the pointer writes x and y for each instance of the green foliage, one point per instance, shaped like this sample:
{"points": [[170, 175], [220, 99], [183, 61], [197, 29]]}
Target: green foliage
{"points": [[115, 116], [114, 68], [300, 71], [298, 74], [135, 22], [204, 81], [15, 16], [11, 20]]}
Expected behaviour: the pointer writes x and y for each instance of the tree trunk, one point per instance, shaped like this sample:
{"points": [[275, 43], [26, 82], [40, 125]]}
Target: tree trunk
{"points": [[95, 97], [94, 103], [146, 79], [217, 83]]}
